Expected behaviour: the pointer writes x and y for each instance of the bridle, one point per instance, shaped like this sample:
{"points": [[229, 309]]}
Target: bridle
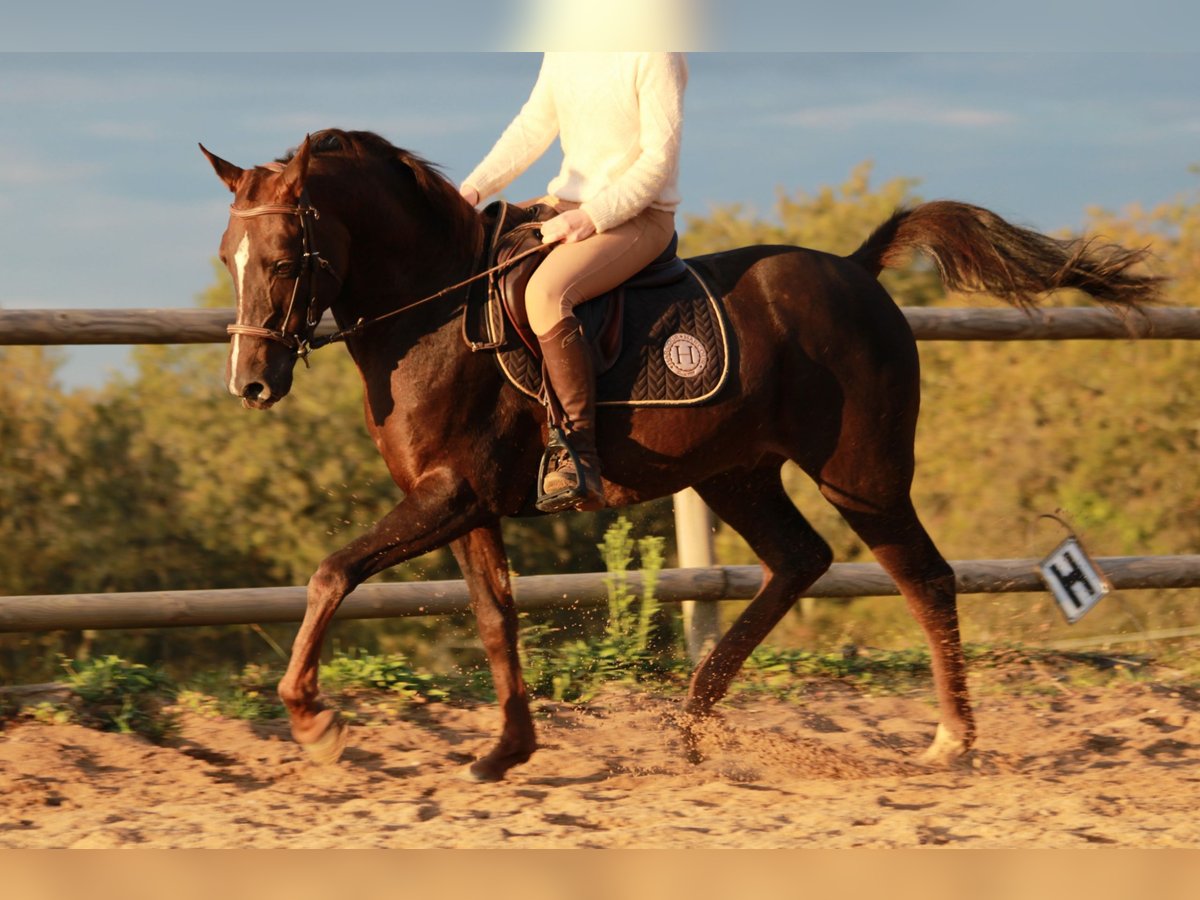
{"points": [[299, 342], [302, 343]]}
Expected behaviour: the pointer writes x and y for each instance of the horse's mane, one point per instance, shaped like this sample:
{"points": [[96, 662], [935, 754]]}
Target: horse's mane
{"points": [[440, 194]]}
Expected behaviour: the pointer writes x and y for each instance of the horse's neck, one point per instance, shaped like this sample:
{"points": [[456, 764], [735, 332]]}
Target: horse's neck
{"points": [[421, 339], [396, 263]]}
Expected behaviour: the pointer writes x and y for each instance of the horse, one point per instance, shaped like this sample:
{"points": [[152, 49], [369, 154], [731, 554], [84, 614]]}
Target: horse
{"points": [[825, 374]]}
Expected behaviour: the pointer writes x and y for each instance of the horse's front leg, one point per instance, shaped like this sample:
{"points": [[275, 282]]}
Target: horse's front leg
{"points": [[440, 508], [484, 565]]}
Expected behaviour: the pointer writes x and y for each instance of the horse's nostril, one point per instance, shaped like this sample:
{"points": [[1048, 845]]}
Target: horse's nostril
{"points": [[252, 391]]}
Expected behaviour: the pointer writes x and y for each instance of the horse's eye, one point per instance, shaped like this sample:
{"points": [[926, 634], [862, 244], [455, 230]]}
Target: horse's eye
{"points": [[284, 267]]}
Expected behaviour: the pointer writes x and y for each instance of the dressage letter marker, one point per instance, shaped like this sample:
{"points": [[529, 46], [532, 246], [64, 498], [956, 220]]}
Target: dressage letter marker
{"points": [[1073, 578]]}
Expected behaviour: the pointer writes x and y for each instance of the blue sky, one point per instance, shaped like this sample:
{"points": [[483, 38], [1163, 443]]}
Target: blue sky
{"points": [[105, 200], [456, 25]]}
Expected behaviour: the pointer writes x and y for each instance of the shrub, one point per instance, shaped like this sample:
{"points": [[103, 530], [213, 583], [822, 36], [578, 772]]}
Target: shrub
{"points": [[118, 695], [627, 651]]}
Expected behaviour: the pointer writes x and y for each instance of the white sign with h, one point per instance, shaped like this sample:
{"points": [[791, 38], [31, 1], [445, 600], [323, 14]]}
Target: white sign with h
{"points": [[1075, 581]]}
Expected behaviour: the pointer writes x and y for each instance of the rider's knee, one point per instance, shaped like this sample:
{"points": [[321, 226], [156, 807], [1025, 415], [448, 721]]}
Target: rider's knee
{"points": [[545, 304]]}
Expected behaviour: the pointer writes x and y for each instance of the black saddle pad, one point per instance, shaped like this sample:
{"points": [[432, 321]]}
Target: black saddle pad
{"points": [[675, 351]]}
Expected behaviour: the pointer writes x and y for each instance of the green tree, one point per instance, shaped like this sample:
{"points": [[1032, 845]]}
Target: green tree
{"points": [[833, 219], [34, 460]]}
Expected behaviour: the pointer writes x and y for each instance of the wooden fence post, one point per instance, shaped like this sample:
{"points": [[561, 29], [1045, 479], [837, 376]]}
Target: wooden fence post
{"points": [[693, 539]]}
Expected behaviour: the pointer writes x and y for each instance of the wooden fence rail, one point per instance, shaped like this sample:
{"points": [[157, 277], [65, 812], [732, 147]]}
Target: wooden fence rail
{"points": [[261, 605], [202, 326], [160, 609]]}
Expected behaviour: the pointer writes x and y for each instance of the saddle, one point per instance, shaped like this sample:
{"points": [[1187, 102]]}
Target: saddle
{"points": [[515, 230], [669, 309]]}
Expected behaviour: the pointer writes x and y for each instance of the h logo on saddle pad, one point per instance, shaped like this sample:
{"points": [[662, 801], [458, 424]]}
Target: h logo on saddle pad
{"points": [[658, 340], [685, 355]]}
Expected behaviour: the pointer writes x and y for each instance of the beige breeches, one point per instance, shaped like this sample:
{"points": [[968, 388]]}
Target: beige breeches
{"points": [[573, 273]]}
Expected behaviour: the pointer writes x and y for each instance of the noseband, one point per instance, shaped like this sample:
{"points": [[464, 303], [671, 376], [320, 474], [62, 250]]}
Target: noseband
{"points": [[299, 342]]}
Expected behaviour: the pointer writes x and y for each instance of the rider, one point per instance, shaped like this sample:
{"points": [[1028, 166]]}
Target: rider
{"points": [[619, 119]]}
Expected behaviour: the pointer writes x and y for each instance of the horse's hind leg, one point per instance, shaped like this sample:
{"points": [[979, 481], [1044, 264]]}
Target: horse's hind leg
{"points": [[792, 554], [484, 564], [907, 553]]}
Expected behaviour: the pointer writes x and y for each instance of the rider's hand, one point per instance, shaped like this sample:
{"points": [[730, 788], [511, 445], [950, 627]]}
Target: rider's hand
{"points": [[573, 225], [469, 194]]}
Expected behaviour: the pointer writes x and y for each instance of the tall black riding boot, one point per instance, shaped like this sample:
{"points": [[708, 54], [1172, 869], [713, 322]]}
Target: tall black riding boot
{"points": [[572, 377]]}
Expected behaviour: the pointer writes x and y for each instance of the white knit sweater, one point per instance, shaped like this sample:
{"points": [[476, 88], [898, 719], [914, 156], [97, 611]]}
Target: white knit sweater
{"points": [[619, 117]]}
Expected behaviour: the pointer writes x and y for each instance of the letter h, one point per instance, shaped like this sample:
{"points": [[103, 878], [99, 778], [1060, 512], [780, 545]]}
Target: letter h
{"points": [[1071, 579]]}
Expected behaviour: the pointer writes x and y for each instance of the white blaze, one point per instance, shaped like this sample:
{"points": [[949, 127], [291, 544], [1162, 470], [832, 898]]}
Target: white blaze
{"points": [[240, 259]]}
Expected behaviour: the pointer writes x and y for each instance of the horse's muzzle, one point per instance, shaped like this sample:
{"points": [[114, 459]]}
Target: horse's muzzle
{"points": [[259, 381], [257, 395], [247, 403]]}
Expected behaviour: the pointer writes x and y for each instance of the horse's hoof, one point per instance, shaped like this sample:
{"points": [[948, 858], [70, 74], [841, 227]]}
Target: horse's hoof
{"points": [[945, 750], [481, 772], [327, 749], [493, 767]]}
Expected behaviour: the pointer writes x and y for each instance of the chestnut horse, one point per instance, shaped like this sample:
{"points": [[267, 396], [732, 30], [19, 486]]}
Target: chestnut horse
{"points": [[825, 374]]}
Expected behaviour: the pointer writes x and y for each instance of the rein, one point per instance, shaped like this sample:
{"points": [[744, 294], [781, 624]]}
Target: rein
{"points": [[358, 326], [304, 343]]}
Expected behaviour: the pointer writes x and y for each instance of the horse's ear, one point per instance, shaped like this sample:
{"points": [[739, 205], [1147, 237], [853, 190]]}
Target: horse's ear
{"points": [[296, 171], [226, 171]]}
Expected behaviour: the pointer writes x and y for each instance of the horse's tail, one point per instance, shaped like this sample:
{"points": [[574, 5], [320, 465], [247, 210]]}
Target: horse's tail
{"points": [[977, 251]]}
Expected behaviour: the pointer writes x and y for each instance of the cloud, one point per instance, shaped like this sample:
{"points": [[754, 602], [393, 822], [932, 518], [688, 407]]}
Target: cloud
{"points": [[1176, 114], [123, 131], [36, 87], [898, 112], [19, 170], [112, 251], [404, 127]]}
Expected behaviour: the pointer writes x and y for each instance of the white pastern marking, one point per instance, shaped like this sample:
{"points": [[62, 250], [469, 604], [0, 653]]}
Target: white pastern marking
{"points": [[240, 259]]}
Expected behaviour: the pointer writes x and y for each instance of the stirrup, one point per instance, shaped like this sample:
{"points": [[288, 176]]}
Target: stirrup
{"points": [[567, 498]]}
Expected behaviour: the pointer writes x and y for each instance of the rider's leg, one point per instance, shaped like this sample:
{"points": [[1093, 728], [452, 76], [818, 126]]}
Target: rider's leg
{"points": [[574, 273], [570, 275], [572, 375]]}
